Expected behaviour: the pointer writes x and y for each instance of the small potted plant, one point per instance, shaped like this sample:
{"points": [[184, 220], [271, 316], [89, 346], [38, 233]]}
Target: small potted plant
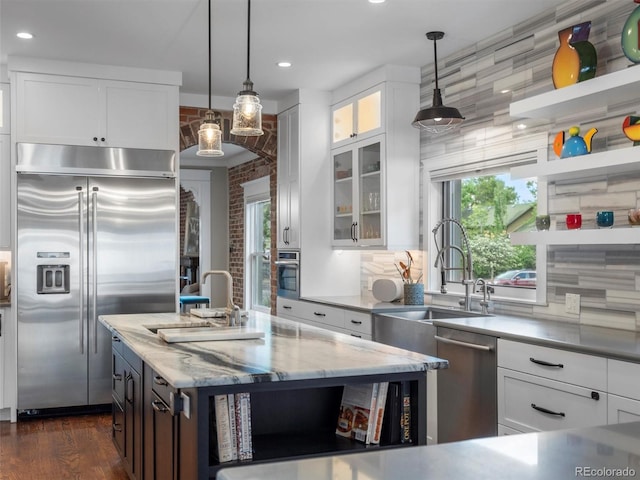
{"points": [[413, 290]]}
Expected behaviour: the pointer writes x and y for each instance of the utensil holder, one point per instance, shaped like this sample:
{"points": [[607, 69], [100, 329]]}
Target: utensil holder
{"points": [[414, 293]]}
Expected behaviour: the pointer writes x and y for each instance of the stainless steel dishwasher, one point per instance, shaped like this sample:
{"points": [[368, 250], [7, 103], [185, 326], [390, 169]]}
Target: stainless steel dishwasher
{"points": [[467, 395]]}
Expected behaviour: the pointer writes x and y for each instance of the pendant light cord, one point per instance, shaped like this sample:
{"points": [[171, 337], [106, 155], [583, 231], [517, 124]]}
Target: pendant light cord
{"points": [[435, 60], [248, 38], [209, 54]]}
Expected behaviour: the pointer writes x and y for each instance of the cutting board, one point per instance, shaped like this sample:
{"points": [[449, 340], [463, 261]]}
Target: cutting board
{"points": [[207, 334]]}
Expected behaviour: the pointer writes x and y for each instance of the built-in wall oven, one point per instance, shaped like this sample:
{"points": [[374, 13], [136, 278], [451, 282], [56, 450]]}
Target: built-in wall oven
{"points": [[288, 273]]}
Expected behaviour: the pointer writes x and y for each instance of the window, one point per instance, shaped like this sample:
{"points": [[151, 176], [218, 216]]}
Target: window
{"points": [[477, 191], [258, 245], [489, 208]]}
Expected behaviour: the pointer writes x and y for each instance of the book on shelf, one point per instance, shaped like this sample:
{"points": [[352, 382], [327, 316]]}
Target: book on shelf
{"points": [[378, 416], [406, 413], [357, 411], [231, 401], [226, 443], [392, 420], [243, 426]]}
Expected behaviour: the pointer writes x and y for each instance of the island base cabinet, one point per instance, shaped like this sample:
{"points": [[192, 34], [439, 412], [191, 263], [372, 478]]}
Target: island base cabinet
{"points": [[293, 419]]}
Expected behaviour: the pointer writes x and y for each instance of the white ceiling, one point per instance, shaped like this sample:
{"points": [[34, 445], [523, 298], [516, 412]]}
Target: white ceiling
{"points": [[329, 42]]}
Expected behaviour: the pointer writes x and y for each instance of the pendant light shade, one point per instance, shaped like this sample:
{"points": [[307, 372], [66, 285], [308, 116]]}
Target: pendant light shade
{"points": [[209, 135], [247, 111], [437, 118]]}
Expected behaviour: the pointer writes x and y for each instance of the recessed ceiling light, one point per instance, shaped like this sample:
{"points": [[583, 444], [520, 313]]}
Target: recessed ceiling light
{"points": [[24, 35], [377, 1], [506, 90], [284, 64], [521, 126]]}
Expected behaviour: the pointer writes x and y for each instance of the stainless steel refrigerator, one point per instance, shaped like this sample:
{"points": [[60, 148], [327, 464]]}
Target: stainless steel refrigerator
{"points": [[96, 234]]}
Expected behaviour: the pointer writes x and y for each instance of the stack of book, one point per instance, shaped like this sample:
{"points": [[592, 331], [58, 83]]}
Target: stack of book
{"points": [[233, 427], [375, 412]]}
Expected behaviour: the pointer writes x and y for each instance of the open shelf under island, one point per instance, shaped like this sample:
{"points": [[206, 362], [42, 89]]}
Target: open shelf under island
{"points": [[164, 393]]}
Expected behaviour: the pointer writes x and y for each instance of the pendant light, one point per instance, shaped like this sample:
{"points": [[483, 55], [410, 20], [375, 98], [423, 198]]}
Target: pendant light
{"points": [[209, 135], [247, 111], [437, 118]]}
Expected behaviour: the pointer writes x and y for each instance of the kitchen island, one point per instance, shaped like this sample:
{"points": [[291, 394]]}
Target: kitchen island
{"points": [[164, 393]]}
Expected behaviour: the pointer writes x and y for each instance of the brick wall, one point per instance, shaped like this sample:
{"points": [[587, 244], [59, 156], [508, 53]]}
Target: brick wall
{"points": [[265, 164]]}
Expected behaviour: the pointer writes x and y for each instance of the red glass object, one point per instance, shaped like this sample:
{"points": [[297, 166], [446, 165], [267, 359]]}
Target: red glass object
{"points": [[574, 221]]}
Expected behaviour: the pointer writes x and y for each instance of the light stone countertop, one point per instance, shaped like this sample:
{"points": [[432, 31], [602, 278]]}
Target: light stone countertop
{"points": [[611, 451], [288, 351]]}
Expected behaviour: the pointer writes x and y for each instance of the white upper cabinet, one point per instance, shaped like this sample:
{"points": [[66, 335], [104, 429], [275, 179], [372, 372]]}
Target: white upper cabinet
{"points": [[375, 160], [359, 117], [5, 192], [5, 109], [73, 110], [289, 178]]}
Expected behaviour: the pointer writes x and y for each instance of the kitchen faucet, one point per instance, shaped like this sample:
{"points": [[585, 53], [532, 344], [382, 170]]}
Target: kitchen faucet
{"points": [[486, 294], [467, 262], [233, 311]]}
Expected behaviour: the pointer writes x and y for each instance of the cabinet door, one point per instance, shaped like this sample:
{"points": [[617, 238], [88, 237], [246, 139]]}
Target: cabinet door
{"points": [[163, 440], [622, 410], [358, 194], [133, 421], [57, 109], [5, 191], [5, 108], [138, 115], [358, 117], [289, 179]]}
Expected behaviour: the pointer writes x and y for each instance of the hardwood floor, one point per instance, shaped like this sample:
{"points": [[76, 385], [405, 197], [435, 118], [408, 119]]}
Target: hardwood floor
{"points": [[61, 448]]}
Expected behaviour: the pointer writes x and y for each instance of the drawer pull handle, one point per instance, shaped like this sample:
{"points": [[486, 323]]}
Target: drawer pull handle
{"points": [[115, 339], [117, 377], [475, 346], [595, 395], [158, 380], [356, 322], [545, 410], [357, 336], [159, 406], [287, 307], [117, 427], [546, 364], [319, 314]]}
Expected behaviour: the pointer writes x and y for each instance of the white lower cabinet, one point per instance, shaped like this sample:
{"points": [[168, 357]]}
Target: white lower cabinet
{"points": [[502, 430], [542, 388], [624, 391], [357, 324], [529, 403]]}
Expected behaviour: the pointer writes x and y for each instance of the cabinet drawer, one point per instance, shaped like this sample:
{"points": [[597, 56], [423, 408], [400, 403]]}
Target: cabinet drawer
{"points": [[561, 365], [358, 322], [521, 398], [331, 316], [622, 410], [620, 375], [132, 359], [288, 308], [502, 430], [162, 388]]}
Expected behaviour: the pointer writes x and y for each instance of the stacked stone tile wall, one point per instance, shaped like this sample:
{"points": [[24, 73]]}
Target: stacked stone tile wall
{"points": [[519, 59]]}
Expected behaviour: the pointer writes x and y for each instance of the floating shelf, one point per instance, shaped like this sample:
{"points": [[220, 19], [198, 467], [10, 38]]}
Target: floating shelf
{"points": [[622, 160], [610, 89], [602, 236]]}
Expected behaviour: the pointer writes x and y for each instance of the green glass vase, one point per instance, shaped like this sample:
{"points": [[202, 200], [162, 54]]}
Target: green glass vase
{"points": [[630, 38]]}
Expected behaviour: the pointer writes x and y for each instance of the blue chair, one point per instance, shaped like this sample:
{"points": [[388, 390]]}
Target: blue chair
{"points": [[193, 300]]}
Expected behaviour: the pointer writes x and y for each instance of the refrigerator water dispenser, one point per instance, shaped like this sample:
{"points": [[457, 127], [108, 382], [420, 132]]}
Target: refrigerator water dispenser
{"points": [[53, 279]]}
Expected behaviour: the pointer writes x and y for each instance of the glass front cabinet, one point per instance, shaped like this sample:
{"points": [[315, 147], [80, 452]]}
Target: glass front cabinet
{"points": [[358, 194], [358, 118]]}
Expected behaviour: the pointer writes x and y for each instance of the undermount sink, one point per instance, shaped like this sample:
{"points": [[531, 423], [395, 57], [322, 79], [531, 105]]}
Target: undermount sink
{"points": [[433, 313]]}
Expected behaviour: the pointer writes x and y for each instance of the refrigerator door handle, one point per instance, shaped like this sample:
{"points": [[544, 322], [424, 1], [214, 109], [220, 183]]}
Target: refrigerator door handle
{"points": [[94, 260], [81, 233]]}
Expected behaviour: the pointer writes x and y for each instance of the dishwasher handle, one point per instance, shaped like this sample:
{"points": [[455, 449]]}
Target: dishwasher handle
{"points": [[475, 346]]}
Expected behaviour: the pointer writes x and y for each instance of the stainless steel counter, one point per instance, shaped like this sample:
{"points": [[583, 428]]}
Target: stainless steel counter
{"points": [[598, 452]]}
